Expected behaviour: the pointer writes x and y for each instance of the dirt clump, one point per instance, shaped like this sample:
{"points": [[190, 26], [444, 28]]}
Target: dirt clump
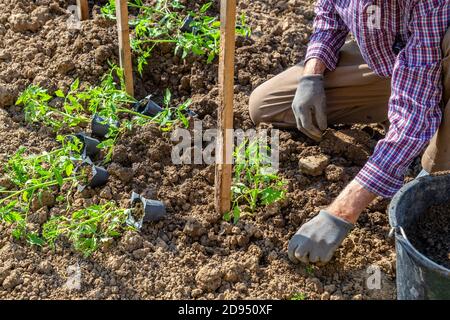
{"points": [[313, 165]]}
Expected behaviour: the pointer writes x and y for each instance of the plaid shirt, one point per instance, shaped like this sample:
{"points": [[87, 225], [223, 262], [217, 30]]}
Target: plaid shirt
{"points": [[416, 28]]}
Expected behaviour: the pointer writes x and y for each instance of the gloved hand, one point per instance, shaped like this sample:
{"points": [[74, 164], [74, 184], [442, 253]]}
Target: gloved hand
{"points": [[310, 101], [318, 239]]}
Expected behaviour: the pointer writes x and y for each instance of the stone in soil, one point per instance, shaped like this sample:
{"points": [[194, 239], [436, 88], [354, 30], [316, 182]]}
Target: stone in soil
{"points": [[313, 165]]}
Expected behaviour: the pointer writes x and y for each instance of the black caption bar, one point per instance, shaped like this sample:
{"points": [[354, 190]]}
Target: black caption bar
{"points": [[206, 309]]}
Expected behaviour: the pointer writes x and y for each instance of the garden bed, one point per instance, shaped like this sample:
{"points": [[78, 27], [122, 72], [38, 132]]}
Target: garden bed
{"points": [[191, 253]]}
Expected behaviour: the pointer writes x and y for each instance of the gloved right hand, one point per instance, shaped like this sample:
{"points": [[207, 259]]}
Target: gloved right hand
{"points": [[317, 240], [310, 104]]}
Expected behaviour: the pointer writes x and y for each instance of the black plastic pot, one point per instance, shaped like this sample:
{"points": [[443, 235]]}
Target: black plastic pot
{"points": [[99, 175], [186, 27], [191, 113], [148, 107], [100, 126], [418, 277], [89, 145], [153, 210]]}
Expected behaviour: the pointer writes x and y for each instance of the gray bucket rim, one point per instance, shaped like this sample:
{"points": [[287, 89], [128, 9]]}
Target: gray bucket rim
{"points": [[411, 187]]}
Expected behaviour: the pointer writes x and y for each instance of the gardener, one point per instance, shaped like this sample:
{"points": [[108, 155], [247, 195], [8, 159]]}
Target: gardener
{"points": [[398, 69]]}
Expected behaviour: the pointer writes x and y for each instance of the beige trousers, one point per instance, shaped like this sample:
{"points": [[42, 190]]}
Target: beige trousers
{"points": [[355, 94]]}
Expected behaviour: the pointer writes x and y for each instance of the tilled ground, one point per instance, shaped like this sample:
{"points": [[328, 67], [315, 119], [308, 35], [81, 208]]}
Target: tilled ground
{"points": [[192, 253]]}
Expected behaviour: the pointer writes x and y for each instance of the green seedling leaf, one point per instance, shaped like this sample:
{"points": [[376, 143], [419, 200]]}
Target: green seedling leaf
{"points": [[59, 93], [236, 214], [299, 296], [69, 169], [75, 85], [34, 239]]}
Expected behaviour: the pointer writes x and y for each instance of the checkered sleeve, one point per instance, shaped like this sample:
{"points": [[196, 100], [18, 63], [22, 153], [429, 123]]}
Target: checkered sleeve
{"points": [[328, 36], [414, 107]]}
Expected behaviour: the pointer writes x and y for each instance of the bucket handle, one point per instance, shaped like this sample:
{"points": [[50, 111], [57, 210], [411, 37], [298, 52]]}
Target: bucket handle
{"points": [[399, 231]]}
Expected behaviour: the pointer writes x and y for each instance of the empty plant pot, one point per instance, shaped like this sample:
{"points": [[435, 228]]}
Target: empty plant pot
{"points": [[95, 176], [89, 145], [143, 210], [149, 108], [100, 126], [99, 177], [186, 27]]}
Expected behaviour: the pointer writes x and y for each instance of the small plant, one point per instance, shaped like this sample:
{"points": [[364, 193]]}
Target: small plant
{"points": [[254, 184], [196, 33], [33, 177], [170, 115], [33, 174], [87, 229], [78, 105], [309, 270], [299, 296], [109, 98], [37, 108], [13, 214], [166, 120]]}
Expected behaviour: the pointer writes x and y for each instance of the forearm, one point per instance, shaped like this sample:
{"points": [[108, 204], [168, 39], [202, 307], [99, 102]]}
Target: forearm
{"points": [[351, 202], [314, 66]]}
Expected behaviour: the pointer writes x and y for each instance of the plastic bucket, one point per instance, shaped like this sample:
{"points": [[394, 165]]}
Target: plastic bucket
{"points": [[418, 277]]}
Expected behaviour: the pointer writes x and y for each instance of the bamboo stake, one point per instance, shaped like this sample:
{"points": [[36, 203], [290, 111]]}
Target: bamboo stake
{"points": [[124, 44], [83, 9], [225, 112]]}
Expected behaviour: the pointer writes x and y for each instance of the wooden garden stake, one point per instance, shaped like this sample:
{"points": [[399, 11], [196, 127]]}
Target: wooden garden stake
{"points": [[224, 150], [124, 44], [83, 9]]}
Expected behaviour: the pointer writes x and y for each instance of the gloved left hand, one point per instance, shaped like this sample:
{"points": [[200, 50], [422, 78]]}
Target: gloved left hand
{"points": [[309, 106]]}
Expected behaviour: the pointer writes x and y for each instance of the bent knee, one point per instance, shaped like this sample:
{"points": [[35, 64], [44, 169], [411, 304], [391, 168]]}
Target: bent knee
{"points": [[446, 43], [256, 103]]}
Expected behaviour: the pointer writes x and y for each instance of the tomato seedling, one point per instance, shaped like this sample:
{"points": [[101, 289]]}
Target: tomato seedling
{"points": [[34, 176], [254, 183], [87, 229]]}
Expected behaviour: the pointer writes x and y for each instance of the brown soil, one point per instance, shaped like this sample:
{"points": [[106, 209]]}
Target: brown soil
{"points": [[192, 253], [431, 234], [86, 173], [138, 210]]}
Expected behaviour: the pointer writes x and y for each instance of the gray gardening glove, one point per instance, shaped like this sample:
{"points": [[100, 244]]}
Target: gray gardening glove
{"points": [[318, 239], [309, 105]]}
